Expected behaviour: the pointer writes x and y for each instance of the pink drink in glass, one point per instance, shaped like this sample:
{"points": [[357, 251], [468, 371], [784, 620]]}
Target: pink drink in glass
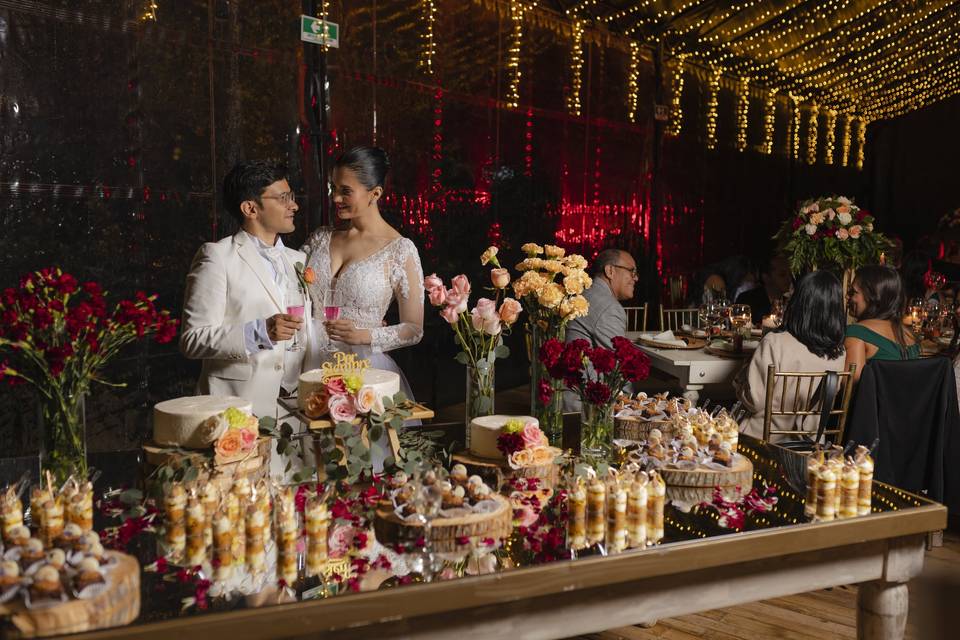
{"points": [[295, 311], [331, 313]]}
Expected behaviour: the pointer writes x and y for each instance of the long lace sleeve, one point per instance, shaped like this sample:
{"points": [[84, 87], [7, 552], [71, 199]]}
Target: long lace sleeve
{"points": [[406, 279]]}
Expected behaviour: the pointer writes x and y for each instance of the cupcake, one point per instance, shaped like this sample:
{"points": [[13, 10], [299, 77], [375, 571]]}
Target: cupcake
{"points": [[69, 536], [31, 552], [56, 558], [686, 455], [723, 455], [9, 574], [86, 540], [455, 498], [458, 474], [18, 535], [46, 584], [88, 573]]}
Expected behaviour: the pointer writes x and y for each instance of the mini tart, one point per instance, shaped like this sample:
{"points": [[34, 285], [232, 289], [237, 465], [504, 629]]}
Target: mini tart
{"points": [[9, 574], [70, 536], [46, 584], [32, 552]]}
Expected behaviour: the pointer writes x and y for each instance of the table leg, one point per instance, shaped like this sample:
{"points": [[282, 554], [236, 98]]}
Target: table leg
{"points": [[882, 610], [692, 392]]}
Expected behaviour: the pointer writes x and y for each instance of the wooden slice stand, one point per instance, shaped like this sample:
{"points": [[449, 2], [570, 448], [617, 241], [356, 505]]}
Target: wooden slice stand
{"points": [[697, 485], [637, 429], [117, 606], [390, 529], [547, 473]]}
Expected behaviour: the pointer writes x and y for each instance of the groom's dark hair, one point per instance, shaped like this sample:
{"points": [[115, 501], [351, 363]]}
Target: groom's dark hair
{"points": [[247, 181]]}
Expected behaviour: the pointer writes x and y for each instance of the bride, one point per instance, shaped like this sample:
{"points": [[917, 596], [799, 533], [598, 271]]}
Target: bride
{"points": [[368, 264]]}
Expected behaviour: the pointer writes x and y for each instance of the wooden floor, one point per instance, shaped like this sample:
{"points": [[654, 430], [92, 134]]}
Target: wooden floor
{"points": [[821, 614]]}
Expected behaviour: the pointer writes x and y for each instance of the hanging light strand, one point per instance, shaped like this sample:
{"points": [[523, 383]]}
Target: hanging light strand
{"points": [[795, 126], [845, 140], [633, 82], [861, 141], [743, 112], [429, 46], [517, 11], [576, 67], [769, 118], [812, 133], [676, 97], [829, 134], [713, 99]]}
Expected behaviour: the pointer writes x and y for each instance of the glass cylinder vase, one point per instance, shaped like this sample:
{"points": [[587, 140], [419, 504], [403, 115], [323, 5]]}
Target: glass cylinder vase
{"points": [[64, 442], [546, 394], [596, 428], [480, 392]]}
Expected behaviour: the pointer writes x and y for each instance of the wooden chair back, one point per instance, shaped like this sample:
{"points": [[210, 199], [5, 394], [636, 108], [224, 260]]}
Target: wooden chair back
{"points": [[637, 317], [673, 319], [801, 396]]}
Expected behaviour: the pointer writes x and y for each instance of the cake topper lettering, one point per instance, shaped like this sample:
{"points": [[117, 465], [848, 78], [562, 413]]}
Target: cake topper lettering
{"points": [[346, 364]]}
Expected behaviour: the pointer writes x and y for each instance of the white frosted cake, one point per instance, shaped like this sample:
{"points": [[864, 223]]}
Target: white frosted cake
{"points": [[484, 431], [384, 383], [179, 421]]}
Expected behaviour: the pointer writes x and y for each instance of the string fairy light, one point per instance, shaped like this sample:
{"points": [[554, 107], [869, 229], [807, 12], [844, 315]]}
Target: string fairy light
{"points": [[845, 140], [769, 118], [713, 99], [633, 83], [517, 10], [149, 11], [743, 112], [795, 125], [429, 46], [829, 134], [576, 67], [676, 97], [812, 133], [861, 140]]}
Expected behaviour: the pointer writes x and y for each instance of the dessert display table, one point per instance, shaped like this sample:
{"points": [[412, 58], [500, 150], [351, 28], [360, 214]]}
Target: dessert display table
{"points": [[699, 566]]}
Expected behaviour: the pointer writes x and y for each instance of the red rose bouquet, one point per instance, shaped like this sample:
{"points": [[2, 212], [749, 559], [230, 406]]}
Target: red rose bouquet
{"points": [[597, 375], [57, 334]]}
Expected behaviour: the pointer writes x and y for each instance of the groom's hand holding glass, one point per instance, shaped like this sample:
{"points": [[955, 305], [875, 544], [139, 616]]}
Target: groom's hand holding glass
{"points": [[283, 326]]}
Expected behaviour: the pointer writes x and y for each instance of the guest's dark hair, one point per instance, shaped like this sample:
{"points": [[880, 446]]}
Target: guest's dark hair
{"points": [[914, 268], [369, 163], [882, 290], [604, 259], [247, 181], [815, 314]]}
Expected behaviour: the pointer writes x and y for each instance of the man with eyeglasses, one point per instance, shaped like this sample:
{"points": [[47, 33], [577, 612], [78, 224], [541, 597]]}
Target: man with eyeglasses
{"points": [[614, 274], [235, 315]]}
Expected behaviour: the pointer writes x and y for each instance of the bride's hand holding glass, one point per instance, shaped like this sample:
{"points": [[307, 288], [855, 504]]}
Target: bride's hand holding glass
{"points": [[345, 331]]}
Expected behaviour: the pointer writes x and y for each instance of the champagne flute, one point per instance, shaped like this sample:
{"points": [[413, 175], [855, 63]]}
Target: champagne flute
{"points": [[295, 304], [332, 301], [739, 317]]}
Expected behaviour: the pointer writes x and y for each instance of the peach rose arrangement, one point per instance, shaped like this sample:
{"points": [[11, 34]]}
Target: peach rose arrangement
{"points": [[234, 432], [343, 398], [524, 444], [831, 232]]}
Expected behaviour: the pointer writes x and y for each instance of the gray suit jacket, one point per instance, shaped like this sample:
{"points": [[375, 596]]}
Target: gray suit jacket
{"points": [[605, 320]]}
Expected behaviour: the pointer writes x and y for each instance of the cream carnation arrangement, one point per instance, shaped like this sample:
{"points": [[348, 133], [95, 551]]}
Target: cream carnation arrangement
{"points": [[551, 283]]}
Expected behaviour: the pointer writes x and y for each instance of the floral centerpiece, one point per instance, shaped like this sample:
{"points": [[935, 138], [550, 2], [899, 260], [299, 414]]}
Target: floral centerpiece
{"points": [[479, 332], [524, 445], [597, 376], [831, 232], [57, 335], [234, 433], [551, 287]]}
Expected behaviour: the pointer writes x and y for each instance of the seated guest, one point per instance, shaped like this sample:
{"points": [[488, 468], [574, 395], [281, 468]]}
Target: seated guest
{"points": [[811, 339], [614, 275], [876, 301], [775, 282], [720, 280]]}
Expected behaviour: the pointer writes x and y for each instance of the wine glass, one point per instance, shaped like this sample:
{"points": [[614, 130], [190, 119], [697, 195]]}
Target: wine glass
{"points": [[295, 304], [916, 312], [740, 315], [332, 302]]}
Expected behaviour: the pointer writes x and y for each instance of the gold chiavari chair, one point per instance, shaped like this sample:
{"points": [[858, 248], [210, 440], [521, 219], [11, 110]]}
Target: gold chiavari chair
{"points": [[801, 396], [673, 319], [637, 317]]}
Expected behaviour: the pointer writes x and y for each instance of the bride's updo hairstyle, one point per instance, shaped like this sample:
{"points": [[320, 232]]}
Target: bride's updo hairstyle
{"points": [[369, 164]]}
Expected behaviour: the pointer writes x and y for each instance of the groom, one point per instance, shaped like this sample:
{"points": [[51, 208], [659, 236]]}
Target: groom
{"points": [[234, 310]]}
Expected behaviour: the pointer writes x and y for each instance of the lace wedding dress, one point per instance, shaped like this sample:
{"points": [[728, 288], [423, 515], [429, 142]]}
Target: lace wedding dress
{"points": [[366, 288]]}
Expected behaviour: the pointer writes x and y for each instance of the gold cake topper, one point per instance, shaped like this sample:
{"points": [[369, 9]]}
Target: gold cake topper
{"points": [[346, 365]]}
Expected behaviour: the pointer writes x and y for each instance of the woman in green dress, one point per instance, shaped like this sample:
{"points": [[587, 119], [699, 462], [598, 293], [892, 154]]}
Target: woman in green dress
{"points": [[876, 300]]}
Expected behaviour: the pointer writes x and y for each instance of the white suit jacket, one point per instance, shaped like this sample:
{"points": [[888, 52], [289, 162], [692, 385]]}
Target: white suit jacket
{"points": [[228, 286]]}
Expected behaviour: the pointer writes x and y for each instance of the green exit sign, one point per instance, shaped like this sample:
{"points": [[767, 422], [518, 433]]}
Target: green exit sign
{"points": [[319, 31]]}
